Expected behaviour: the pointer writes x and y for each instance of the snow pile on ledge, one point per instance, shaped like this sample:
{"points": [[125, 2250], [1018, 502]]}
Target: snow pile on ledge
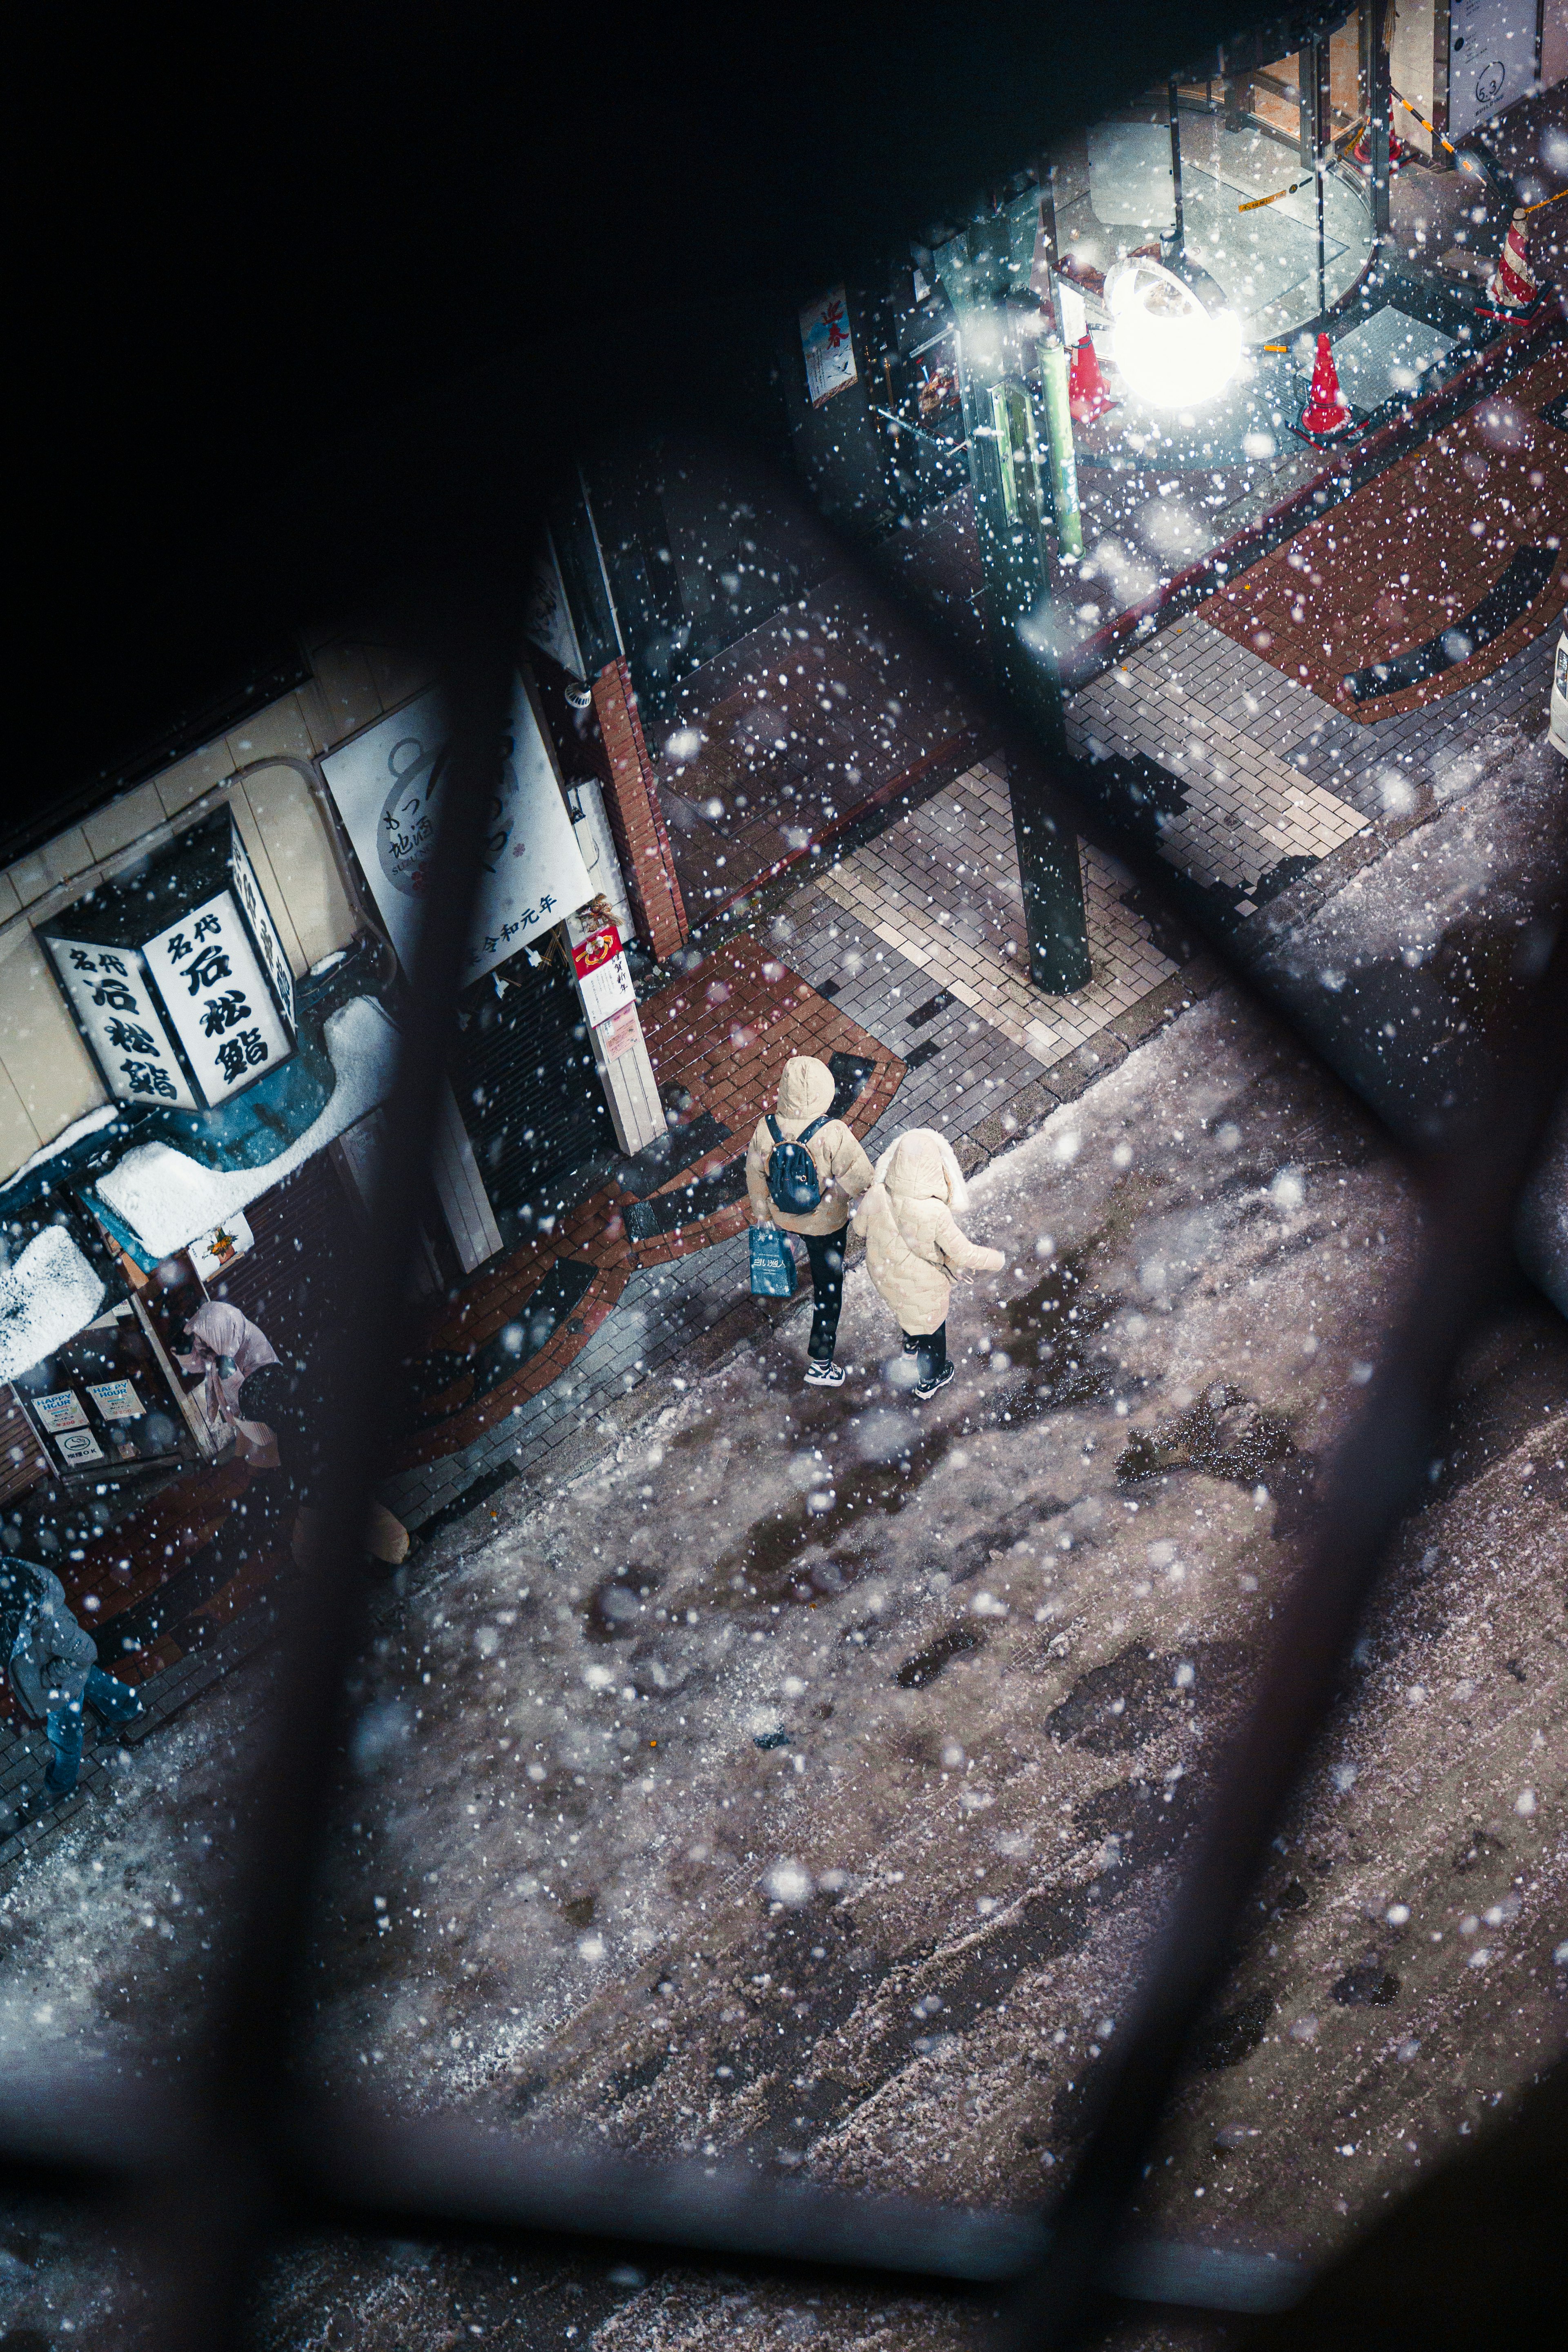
{"points": [[105, 1116], [46, 1298], [167, 1198]]}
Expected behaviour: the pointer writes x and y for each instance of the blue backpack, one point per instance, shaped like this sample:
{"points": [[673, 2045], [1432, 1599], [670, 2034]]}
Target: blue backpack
{"points": [[792, 1171]]}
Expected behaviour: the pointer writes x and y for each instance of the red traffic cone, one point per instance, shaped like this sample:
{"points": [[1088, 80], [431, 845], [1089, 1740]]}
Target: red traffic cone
{"points": [[1513, 284], [1327, 411], [1398, 152], [1087, 396]]}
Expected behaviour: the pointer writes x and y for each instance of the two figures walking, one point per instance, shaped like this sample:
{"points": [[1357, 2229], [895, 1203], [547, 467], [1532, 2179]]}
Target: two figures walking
{"points": [[807, 1174]]}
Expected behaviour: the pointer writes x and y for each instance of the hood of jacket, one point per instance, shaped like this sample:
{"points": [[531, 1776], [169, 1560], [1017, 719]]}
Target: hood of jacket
{"points": [[923, 1166], [807, 1088]]}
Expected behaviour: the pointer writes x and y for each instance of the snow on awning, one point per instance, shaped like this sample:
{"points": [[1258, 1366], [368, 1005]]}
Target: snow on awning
{"points": [[166, 1199], [49, 1295]]}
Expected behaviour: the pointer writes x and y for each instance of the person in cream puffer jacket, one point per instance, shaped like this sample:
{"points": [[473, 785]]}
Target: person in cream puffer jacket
{"points": [[843, 1172], [914, 1247]]}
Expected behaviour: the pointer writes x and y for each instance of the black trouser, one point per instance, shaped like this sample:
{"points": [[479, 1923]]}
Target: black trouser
{"points": [[825, 1251], [932, 1348]]}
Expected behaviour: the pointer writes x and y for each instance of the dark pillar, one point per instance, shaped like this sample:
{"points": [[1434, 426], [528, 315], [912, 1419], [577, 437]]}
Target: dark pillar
{"points": [[1380, 112], [1049, 871], [1315, 57], [1179, 237], [997, 350]]}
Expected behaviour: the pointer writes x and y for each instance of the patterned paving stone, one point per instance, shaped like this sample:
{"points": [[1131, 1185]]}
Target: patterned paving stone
{"points": [[940, 886], [1209, 712]]}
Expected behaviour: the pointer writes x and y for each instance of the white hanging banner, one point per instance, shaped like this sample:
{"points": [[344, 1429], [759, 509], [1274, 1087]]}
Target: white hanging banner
{"points": [[210, 978], [119, 1014], [547, 622], [385, 783]]}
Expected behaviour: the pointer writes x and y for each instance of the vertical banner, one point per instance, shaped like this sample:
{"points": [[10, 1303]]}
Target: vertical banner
{"points": [[828, 346]]}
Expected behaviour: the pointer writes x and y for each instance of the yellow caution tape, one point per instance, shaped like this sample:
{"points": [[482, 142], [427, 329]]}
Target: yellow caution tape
{"points": [[1256, 204]]}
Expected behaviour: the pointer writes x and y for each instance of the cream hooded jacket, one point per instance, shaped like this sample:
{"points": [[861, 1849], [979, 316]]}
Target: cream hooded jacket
{"points": [[913, 1246], [843, 1170]]}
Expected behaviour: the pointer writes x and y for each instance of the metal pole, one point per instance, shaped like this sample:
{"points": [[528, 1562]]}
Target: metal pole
{"points": [[1179, 233], [1320, 63], [1380, 122]]}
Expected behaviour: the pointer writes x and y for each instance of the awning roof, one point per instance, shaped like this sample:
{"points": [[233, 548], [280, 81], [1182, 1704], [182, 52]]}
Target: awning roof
{"points": [[159, 1199]]}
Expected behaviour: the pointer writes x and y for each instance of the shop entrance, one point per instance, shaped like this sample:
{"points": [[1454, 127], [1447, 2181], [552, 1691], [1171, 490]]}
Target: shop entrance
{"points": [[524, 1080], [100, 1405]]}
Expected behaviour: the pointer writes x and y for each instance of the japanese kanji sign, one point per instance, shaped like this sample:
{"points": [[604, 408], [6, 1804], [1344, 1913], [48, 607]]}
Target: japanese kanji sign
{"points": [[122, 1021], [386, 784], [210, 978], [79, 1446], [203, 1007], [263, 929], [604, 980], [828, 346]]}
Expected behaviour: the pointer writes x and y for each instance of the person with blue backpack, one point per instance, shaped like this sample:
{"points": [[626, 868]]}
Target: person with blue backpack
{"points": [[805, 1171]]}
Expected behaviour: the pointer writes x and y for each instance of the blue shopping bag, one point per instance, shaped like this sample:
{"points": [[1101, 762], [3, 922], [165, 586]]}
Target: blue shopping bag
{"points": [[773, 1263]]}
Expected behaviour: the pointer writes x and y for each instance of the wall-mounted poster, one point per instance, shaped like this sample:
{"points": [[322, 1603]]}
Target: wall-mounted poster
{"points": [[77, 1447], [603, 979], [386, 784], [828, 346], [210, 1252], [61, 1411], [116, 1400], [1491, 59]]}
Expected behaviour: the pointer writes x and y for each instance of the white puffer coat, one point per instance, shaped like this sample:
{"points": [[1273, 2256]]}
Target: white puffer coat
{"points": [[913, 1246]]}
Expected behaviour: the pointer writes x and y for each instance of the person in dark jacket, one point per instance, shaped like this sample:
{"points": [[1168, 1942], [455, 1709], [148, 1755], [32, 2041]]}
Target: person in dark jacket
{"points": [[299, 1412], [53, 1666]]}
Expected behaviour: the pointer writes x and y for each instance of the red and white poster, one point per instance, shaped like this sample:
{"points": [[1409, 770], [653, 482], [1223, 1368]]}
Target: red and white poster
{"points": [[828, 346], [603, 979]]}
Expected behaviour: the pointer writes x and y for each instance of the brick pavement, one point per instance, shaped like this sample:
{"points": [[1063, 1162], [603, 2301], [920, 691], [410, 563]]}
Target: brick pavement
{"points": [[1414, 551], [941, 885], [1210, 713], [723, 1037], [960, 1072]]}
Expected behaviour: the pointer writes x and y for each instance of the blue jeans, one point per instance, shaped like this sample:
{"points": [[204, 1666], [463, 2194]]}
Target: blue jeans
{"points": [[115, 1702]]}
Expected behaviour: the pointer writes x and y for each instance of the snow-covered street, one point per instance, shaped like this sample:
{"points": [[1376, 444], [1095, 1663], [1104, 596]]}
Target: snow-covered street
{"points": [[801, 1777]]}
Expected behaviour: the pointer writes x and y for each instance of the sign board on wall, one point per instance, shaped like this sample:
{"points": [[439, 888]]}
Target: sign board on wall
{"points": [[120, 1018], [828, 346], [213, 1250], [175, 974], [386, 784], [547, 623], [61, 1411], [604, 977], [79, 1446], [116, 1400], [210, 978], [1491, 59]]}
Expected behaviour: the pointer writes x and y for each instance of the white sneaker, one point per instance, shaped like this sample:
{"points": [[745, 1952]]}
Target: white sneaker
{"points": [[922, 1390], [823, 1376]]}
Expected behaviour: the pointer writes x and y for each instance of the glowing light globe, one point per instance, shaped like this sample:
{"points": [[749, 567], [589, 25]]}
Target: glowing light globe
{"points": [[1173, 352]]}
